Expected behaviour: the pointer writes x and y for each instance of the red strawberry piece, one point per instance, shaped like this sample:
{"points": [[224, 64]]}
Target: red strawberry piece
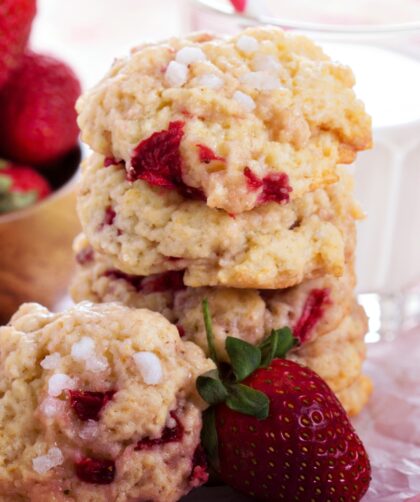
{"points": [[20, 187], [239, 5], [85, 256], [207, 155], [87, 404], [157, 160], [181, 330], [109, 216], [15, 25], [134, 280], [167, 281], [275, 186], [169, 435], [306, 449], [253, 181], [111, 161], [98, 471], [312, 312], [199, 473], [37, 111]]}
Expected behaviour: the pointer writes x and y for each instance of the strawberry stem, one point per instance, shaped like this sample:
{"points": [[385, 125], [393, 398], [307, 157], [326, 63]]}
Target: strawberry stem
{"points": [[209, 332]]}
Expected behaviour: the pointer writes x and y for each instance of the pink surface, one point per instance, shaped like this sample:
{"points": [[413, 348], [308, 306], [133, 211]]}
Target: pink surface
{"points": [[390, 426]]}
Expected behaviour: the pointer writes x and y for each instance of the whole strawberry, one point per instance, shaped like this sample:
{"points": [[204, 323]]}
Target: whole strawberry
{"points": [[37, 111], [20, 187], [277, 431], [15, 25]]}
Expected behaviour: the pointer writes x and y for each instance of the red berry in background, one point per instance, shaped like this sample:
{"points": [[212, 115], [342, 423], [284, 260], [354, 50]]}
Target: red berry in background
{"points": [[239, 5], [15, 26], [20, 187], [306, 449], [37, 111]]}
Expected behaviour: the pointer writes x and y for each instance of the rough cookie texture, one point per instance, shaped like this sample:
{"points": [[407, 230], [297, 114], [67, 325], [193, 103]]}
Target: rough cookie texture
{"points": [[98, 403], [355, 397], [146, 230], [333, 346], [261, 116], [338, 356], [312, 308]]}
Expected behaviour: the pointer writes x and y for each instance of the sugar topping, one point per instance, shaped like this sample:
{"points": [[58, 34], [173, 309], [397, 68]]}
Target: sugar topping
{"points": [[97, 364], [263, 62], [84, 350], [50, 407], [210, 80], [170, 422], [89, 430], [44, 463], [149, 366], [245, 100], [260, 80], [247, 44], [176, 74], [51, 362], [188, 55], [59, 382]]}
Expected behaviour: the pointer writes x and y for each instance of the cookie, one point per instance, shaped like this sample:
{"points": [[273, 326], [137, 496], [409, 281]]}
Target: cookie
{"points": [[338, 356], [98, 403], [146, 230], [355, 397], [312, 308], [235, 122]]}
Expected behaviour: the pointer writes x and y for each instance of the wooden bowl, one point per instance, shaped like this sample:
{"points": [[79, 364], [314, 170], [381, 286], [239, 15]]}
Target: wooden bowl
{"points": [[36, 259]]}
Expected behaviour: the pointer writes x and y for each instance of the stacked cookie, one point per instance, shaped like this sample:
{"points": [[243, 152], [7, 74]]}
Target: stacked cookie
{"points": [[215, 174]]}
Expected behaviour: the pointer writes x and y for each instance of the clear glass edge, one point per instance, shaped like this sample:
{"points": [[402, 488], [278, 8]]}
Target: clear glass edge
{"points": [[328, 29]]}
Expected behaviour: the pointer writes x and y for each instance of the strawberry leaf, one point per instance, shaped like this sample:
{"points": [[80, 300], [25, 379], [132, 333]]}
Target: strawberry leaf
{"points": [[211, 388], [209, 437], [244, 357], [248, 401], [5, 183], [13, 201], [209, 331], [277, 345]]}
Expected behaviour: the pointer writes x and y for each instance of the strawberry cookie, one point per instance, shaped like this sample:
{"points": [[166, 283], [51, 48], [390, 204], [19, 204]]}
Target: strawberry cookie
{"points": [[338, 356], [312, 308], [237, 122], [98, 403], [145, 230]]}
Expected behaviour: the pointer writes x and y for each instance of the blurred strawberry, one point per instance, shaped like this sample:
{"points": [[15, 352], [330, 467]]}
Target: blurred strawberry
{"points": [[15, 25], [20, 186], [37, 111]]}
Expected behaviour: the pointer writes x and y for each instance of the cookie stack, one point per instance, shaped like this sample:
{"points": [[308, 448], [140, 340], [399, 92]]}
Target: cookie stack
{"points": [[215, 174]]}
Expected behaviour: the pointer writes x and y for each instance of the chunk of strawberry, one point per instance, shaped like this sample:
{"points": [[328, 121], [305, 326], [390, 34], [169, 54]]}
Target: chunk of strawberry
{"points": [[98, 471], [157, 160], [274, 187], [87, 404]]}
